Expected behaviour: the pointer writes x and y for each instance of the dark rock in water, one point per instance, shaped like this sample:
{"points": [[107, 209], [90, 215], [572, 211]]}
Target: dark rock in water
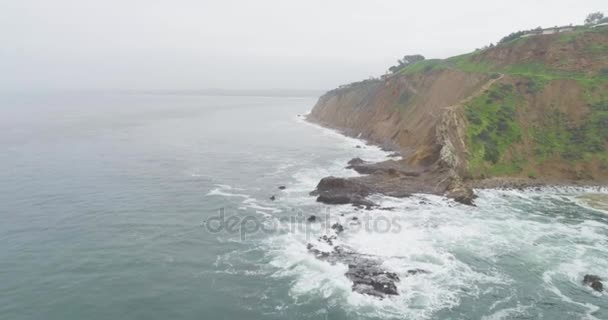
{"points": [[390, 168], [355, 161], [337, 227], [358, 147], [332, 190], [367, 275], [334, 199], [394, 155], [355, 218], [417, 271], [399, 194], [461, 193], [282, 187], [368, 278], [273, 198], [327, 239], [594, 282], [333, 184], [312, 218]]}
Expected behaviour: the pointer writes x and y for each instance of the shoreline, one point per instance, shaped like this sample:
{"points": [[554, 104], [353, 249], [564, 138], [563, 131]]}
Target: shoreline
{"points": [[371, 169]]}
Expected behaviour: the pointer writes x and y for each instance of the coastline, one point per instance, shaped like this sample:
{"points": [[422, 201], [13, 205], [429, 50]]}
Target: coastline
{"points": [[374, 170]]}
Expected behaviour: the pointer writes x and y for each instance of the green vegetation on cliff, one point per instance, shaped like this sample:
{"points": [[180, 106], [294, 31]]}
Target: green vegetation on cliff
{"points": [[524, 122], [492, 130], [498, 145]]}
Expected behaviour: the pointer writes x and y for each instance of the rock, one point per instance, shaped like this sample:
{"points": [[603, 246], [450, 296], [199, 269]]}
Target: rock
{"points": [[594, 282], [282, 187], [390, 168], [328, 239], [332, 190], [354, 218], [341, 185], [394, 155], [461, 193], [417, 271], [355, 161], [358, 147], [273, 198], [369, 279], [312, 218], [399, 194], [366, 274], [337, 227], [392, 172]]}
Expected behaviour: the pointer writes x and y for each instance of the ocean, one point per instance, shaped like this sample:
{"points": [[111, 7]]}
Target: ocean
{"points": [[144, 206]]}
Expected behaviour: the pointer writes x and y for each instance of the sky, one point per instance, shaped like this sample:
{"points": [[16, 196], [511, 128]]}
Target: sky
{"points": [[246, 44]]}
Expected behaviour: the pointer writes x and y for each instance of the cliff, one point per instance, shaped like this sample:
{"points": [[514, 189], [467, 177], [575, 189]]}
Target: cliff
{"points": [[534, 109]]}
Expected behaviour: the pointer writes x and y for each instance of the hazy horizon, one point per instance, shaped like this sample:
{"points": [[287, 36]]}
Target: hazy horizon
{"points": [[242, 45]]}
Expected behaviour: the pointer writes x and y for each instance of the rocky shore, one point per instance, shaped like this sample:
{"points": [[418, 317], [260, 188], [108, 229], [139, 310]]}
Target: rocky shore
{"points": [[366, 272]]}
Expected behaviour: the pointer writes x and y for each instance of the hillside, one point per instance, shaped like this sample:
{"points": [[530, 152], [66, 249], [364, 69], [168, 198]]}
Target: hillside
{"points": [[535, 108]]}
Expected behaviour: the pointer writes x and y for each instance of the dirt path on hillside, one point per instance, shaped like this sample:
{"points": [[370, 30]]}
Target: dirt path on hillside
{"points": [[477, 93]]}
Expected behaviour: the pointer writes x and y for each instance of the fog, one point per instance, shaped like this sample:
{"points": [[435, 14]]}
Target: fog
{"points": [[242, 44]]}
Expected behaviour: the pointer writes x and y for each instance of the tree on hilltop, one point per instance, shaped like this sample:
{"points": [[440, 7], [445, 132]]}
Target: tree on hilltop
{"points": [[595, 18], [406, 61]]}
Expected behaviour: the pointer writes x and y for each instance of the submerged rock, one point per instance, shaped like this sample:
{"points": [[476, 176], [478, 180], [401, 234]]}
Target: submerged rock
{"points": [[312, 218], [355, 161], [282, 187], [594, 282], [367, 275], [273, 198], [327, 239], [365, 272], [369, 278], [417, 271], [338, 227]]}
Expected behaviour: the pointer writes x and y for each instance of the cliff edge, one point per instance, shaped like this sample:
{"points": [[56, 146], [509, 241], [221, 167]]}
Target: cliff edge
{"points": [[530, 111]]}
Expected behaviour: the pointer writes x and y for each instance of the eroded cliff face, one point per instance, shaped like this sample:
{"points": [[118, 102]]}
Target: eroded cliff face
{"points": [[535, 109], [409, 113], [418, 115]]}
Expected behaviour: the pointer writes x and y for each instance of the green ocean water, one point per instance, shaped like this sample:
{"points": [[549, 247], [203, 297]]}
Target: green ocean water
{"points": [[106, 202]]}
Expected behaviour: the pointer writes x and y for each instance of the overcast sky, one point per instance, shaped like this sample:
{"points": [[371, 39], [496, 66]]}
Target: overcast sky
{"points": [[254, 44]]}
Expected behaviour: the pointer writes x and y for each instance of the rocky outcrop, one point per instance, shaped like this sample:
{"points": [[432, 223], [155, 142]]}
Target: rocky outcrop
{"points": [[429, 133], [460, 192], [594, 282], [366, 272], [332, 190], [367, 275]]}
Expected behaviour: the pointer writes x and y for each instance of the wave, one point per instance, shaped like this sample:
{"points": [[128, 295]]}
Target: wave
{"points": [[543, 237]]}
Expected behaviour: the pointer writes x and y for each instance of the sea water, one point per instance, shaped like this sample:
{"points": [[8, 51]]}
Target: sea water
{"points": [[124, 206]]}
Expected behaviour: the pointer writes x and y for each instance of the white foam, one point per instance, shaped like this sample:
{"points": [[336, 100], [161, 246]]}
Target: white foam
{"points": [[440, 236], [430, 236], [518, 311], [225, 191]]}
